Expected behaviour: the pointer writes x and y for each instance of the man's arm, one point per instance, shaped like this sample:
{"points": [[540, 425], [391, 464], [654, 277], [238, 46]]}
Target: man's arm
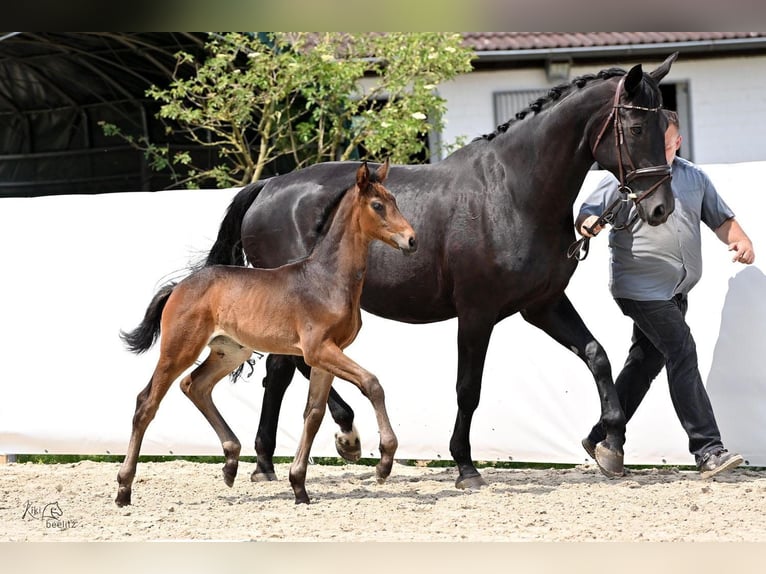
{"points": [[595, 204], [732, 234]]}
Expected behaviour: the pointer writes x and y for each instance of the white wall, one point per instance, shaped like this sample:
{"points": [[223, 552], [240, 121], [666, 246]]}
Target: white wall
{"points": [[728, 103], [76, 269], [728, 107]]}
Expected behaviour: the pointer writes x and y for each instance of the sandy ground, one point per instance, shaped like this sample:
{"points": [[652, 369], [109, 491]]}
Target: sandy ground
{"points": [[183, 500]]}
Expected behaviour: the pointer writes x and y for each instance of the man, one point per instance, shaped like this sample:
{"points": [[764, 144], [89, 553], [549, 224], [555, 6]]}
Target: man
{"points": [[652, 271]]}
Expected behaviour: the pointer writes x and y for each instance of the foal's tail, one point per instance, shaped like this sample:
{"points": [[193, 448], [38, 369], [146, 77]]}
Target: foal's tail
{"points": [[143, 337], [227, 249]]}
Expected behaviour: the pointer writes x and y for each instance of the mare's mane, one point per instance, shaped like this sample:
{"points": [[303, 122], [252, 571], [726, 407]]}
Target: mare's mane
{"points": [[554, 95]]}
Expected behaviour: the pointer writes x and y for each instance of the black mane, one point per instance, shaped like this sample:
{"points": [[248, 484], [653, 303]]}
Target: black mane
{"points": [[324, 217], [553, 95]]}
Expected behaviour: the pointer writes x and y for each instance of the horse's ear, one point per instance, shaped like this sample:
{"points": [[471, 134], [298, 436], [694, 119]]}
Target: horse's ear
{"points": [[663, 69], [363, 176], [382, 172], [633, 79]]}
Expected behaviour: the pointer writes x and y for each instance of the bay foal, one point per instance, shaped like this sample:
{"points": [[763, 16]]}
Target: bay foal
{"points": [[308, 308]]}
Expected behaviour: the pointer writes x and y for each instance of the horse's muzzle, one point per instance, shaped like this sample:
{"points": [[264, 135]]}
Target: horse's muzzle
{"points": [[409, 245], [658, 214]]}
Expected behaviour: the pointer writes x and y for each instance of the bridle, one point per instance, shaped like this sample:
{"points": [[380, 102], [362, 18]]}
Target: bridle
{"points": [[579, 248]]}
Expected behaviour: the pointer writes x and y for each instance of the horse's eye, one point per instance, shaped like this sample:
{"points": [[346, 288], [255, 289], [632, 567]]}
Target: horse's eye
{"points": [[635, 130], [377, 206]]}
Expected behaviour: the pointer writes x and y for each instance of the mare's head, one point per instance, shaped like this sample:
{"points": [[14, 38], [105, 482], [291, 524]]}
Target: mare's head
{"points": [[379, 216], [629, 141]]}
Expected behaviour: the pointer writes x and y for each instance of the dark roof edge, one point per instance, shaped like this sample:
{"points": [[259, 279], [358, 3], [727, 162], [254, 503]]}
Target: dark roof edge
{"points": [[659, 48]]}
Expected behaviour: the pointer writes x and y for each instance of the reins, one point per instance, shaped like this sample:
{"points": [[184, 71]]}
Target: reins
{"points": [[579, 249]]}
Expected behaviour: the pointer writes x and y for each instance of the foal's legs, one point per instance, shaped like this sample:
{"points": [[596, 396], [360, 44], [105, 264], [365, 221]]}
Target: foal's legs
{"points": [[168, 369], [562, 322], [198, 386], [279, 373], [319, 388], [330, 359], [347, 441]]}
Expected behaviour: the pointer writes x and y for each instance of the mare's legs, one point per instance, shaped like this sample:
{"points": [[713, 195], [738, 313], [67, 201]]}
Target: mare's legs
{"points": [[330, 359], [643, 364], [561, 321], [168, 369], [224, 357], [279, 373], [472, 341]]}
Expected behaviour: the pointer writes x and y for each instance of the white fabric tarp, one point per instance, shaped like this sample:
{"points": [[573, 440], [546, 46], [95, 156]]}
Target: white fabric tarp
{"points": [[77, 269]]}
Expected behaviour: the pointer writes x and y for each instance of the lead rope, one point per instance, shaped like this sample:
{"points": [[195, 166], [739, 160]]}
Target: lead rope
{"points": [[579, 249]]}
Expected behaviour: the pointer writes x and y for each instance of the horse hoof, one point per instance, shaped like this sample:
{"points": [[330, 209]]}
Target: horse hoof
{"points": [[382, 472], [260, 476], [348, 444], [123, 497], [470, 482], [608, 461], [302, 498], [230, 473], [380, 477]]}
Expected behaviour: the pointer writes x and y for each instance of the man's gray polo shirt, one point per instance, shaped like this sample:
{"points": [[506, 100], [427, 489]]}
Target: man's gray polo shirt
{"points": [[655, 263]]}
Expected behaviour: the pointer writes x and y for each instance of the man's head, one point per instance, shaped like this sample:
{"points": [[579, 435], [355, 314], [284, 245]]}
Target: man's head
{"points": [[672, 136]]}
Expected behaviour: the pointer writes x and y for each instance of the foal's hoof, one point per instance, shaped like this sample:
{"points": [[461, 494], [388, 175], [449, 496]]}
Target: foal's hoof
{"points": [[609, 462], [382, 473], [348, 444], [301, 498], [470, 482], [230, 473], [263, 476], [123, 497]]}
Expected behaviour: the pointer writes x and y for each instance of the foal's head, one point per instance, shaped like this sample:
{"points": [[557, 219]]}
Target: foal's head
{"points": [[380, 217]]}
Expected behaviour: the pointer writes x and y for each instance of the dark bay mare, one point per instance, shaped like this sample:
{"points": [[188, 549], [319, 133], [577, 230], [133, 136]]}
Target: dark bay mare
{"points": [[309, 308], [494, 223]]}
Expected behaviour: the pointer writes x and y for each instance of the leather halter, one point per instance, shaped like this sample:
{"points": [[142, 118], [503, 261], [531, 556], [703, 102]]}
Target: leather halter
{"points": [[661, 171], [619, 142]]}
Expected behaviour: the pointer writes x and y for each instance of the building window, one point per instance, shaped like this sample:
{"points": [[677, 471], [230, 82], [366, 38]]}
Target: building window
{"points": [[675, 96], [508, 104]]}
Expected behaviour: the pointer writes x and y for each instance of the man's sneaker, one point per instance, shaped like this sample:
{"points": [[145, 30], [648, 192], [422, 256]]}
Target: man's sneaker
{"points": [[717, 461]]}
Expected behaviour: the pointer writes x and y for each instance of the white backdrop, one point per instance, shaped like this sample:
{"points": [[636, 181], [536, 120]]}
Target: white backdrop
{"points": [[76, 269]]}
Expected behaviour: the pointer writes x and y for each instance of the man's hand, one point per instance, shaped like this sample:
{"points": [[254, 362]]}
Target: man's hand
{"points": [[587, 227], [743, 251], [735, 237]]}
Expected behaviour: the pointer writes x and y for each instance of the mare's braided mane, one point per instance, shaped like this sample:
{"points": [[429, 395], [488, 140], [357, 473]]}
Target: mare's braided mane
{"points": [[553, 95]]}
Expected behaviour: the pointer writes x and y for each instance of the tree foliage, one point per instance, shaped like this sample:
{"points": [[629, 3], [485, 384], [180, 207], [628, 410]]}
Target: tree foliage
{"points": [[262, 101]]}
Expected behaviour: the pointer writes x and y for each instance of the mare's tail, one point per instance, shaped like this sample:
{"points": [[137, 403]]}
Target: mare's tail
{"points": [[143, 337], [227, 249]]}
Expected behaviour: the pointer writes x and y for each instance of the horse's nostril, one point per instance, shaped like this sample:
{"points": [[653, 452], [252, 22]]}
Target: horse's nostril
{"points": [[659, 212], [412, 241]]}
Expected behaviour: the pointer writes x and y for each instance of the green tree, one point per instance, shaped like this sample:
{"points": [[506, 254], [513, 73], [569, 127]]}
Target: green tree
{"points": [[302, 98]]}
